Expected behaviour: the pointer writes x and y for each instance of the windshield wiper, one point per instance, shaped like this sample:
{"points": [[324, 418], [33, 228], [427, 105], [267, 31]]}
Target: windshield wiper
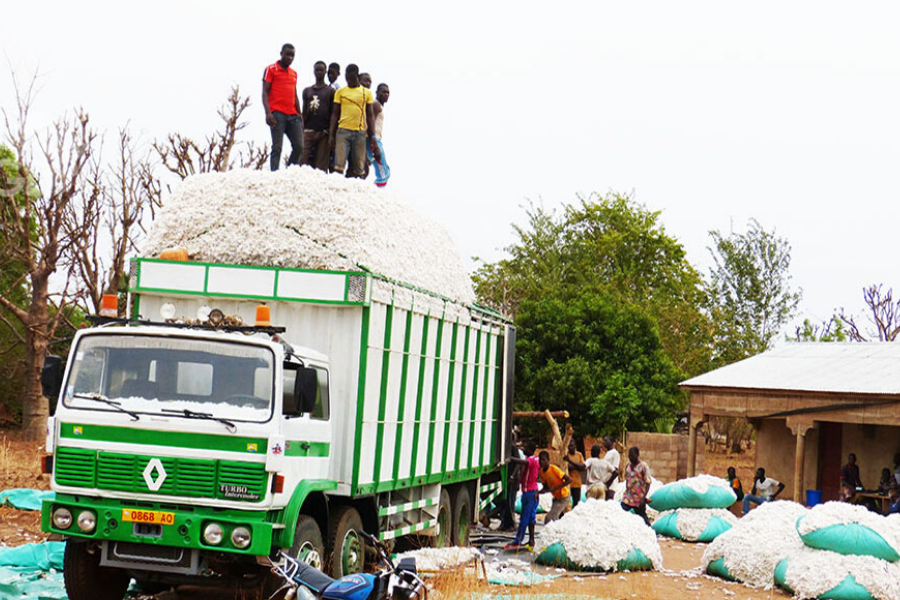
{"points": [[201, 415], [116, 405]]}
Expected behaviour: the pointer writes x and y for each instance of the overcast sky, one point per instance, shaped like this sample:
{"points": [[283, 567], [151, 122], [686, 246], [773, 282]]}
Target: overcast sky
{"points": [[711, 112]]}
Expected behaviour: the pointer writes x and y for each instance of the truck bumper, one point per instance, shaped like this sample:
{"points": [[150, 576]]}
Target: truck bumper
{"points": [[182, 526]]}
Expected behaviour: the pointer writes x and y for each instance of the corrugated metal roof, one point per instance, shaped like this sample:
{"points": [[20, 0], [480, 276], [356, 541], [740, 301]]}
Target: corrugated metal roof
{"points": [[858, 368]]}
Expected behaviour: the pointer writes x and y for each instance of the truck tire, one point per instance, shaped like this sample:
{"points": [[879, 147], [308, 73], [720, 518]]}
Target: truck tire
{"points": [[445, 520], [87, 580], [308, 546], [462, 517], [346, 550]]}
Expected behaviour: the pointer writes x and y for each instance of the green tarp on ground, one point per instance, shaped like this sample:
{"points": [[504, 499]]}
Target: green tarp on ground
{"points": [[42, 557], [850, 539], [25, 571], [24, 498], [667, 525], [555, 555], [718, 568], [848, 589], [678, 495]]}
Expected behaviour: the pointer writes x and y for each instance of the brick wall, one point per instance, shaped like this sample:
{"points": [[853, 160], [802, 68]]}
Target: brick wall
{"points": [[666, 454]]}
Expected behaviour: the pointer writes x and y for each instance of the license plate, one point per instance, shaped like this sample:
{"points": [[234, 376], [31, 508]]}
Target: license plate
{"points": [[155, 517]]}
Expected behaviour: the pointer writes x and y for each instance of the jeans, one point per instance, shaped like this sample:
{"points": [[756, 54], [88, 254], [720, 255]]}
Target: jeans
{"points": [[382, 170], [350, 144], [292, 125], [748, 498], [315, 149], [528, 516]]}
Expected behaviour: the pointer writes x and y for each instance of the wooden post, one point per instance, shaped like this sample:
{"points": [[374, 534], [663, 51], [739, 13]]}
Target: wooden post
{"points": [[799, 427], [693, 428]]}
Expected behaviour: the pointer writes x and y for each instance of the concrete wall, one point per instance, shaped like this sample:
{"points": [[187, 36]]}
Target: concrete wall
{"points": [[874, 446], [776, 446], [666, 454]]}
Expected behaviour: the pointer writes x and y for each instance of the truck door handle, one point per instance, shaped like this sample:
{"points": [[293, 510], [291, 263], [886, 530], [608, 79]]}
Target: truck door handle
{"points": [[304, 446]]}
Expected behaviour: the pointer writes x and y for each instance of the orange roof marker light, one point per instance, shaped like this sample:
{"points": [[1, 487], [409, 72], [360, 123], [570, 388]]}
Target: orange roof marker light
{"points": [[263, 318], [179, 254], [109, 306]]}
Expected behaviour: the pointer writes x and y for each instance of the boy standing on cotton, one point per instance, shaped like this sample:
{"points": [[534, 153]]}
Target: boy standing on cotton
{"points": [[282, 107], [352, 125]]}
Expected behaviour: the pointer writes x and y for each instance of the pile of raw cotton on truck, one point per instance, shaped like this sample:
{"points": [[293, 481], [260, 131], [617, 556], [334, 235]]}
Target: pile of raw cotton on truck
{"points": [[597, 535], [833, 551], [694, 509]]}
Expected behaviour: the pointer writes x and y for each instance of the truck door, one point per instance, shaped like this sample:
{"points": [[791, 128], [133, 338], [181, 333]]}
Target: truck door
{"points": [[308, 435]]}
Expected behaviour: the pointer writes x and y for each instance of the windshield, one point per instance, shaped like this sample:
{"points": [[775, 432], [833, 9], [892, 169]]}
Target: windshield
{"points": [[165, 375]]}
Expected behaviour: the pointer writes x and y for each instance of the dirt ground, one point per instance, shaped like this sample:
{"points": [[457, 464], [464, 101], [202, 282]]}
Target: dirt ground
{"points": [[20, 467]]}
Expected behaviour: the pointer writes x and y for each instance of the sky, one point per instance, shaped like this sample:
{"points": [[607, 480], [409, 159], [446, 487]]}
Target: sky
{"points": [[712, 113]]}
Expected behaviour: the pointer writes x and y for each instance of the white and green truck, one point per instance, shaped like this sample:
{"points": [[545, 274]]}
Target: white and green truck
{"points": [[191, 453]]}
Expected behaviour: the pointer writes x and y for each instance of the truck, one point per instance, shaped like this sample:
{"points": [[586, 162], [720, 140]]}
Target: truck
{"points": [[238, 411]]}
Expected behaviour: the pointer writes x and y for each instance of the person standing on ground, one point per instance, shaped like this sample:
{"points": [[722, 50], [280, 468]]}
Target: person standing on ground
{"points": [[334, 71], [557, 483], [597, 472], [528, 483], [615, 461], [318, 102], [382, 170], [765, 489], [352, 123], [282, 107], [637, 484], [850, 473], [575, 460]]}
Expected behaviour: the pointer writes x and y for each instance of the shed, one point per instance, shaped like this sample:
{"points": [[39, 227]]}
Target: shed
{"points": [[815, 402]]}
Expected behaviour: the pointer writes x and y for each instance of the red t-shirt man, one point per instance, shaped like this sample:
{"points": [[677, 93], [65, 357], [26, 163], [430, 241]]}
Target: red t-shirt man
{"points": [[282, 107]]}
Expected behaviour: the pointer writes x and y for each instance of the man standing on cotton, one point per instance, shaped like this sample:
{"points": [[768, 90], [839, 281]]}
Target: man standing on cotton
{"points": [[318, 102], [334, 71], [382, 170], [283, 107], [352, 125]]}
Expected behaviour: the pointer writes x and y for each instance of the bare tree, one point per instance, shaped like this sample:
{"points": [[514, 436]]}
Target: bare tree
{"points": [[33, 222], [109, 216], [884, 313], [184, 157]]}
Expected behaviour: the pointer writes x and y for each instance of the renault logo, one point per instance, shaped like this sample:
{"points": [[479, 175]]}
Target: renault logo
{"points": [[154, 466]]}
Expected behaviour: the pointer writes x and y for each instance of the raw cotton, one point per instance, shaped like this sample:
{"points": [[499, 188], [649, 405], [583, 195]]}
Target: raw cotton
{"points": [[439, 559], [812, 572], [701, 483], [303, 218], [598, 533], [692, 522], [755, 545], [841, 513]]}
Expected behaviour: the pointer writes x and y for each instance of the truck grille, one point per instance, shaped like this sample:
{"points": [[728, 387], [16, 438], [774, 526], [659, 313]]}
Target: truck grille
{"points": [[79, 467]]}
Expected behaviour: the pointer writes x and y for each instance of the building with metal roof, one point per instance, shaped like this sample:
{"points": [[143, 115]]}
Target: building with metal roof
{"points": [[813, 402]]}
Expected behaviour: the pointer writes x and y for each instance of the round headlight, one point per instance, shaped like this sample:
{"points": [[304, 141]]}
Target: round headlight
{"points": [[213, 534], [62, 518], [86, 521], [240, 537]]}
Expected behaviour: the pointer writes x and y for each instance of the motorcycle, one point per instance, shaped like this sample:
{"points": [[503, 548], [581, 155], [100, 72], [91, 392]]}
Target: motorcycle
{"points": [[391, 582]]}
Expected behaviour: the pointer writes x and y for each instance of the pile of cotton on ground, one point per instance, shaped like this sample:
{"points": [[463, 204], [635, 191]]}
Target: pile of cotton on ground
{"points": [[304, 218], [597, 535], [753, 547], [441, 559]]}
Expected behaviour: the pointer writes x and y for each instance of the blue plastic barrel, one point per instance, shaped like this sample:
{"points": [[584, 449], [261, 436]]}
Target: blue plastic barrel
{"points": [[813, 497]]}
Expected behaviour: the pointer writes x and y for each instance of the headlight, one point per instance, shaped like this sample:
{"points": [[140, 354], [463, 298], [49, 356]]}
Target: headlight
{"points": [[213, 534], [240, 537], [62, 518], [86, 521]]}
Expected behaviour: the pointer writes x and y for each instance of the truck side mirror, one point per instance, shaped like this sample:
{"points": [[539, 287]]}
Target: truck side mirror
{"points": [[306, 388], [51, 380]]}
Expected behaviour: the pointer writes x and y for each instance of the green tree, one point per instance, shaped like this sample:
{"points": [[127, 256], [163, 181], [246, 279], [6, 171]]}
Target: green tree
{"points": [[598, 358], [831, 330], [749, 291]]}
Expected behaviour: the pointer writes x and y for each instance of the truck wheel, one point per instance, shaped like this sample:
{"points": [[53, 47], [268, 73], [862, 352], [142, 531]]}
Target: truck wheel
{"points": [[87, 580], [346, 550], [445, 521], [308, 547], [462, 517]]}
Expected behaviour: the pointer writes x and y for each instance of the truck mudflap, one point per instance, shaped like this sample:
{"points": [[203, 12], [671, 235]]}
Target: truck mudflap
{"points": [[158, 524]]}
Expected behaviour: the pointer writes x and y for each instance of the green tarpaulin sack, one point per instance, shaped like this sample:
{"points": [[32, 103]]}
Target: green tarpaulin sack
{"points": [[24, 498], [849, 539], [679, 495], [45, 556], [848, 589], [667, 525], [718, 568], [555, 556]]}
